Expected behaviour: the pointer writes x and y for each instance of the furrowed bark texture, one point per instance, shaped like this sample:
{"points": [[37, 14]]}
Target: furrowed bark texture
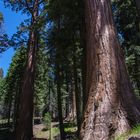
{"points": [[111, 108]]}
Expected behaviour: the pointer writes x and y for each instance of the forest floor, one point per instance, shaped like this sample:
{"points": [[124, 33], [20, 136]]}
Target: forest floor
{"points": [[40, 131]]}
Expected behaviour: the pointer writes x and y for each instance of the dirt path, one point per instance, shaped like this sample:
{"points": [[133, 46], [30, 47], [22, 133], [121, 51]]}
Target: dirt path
{"points": [[40, 131]]}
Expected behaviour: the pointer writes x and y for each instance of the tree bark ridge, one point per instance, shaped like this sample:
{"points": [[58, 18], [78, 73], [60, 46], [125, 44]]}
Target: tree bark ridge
{"points": [[108, 113]]}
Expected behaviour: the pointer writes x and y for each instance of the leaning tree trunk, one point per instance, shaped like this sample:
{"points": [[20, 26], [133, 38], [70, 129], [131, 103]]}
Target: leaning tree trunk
{"points": [[24, 129], [111, 108]]}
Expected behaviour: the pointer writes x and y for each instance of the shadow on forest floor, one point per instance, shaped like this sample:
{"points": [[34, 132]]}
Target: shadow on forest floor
{"points": [[40, 131], [5, 134]]}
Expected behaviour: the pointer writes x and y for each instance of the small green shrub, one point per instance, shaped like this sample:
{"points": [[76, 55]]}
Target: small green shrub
{"points": [[47, 120]]}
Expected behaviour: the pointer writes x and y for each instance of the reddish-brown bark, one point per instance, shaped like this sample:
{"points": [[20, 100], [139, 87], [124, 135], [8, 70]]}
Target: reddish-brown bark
{"points": [[111, 108], [24, 129]]}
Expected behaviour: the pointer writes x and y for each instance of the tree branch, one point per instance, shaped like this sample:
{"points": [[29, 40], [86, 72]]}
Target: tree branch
{"points": [[26, 5]]}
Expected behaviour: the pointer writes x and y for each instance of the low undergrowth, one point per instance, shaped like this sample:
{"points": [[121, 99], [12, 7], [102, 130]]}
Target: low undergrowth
{"points": [[53, 134], [45, 134], [134, 132]]}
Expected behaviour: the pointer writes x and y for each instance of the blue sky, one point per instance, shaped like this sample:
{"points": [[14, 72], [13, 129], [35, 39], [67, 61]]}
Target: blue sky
{"points": [[11, 21]]}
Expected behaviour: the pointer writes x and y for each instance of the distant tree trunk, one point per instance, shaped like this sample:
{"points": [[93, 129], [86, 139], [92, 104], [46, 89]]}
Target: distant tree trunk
{"points": [[1, 73], [9, 111], [138, 5], [81, 3], [111, 108], [72, 103], [67, 98], [138, 57], [16, 109], [24, 129], [83, 63], [59, 85], [77, 92], [137, 74]]}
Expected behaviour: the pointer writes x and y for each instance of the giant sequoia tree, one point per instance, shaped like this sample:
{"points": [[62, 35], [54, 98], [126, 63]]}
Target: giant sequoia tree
{"points": [[112, 107]]}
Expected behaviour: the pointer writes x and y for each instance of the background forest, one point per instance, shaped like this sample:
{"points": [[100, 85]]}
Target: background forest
{"points": [[44, 93]]}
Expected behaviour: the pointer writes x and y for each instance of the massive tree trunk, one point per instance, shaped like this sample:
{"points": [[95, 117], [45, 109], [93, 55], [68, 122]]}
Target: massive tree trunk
{"points": [[111, 108], [24, 130]]}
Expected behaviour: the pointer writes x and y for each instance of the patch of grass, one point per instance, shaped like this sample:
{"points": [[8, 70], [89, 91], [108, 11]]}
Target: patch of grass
{"points": [[2, 121], [70, 131], [55, 131], [42, 134], [132, 133], [45, 134], [70, 127]]}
